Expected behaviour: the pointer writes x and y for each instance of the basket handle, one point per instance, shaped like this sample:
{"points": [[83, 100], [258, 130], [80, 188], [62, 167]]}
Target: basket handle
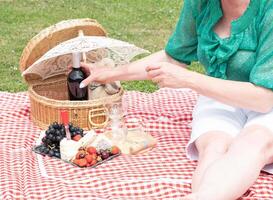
{"points": [[94, 124]]}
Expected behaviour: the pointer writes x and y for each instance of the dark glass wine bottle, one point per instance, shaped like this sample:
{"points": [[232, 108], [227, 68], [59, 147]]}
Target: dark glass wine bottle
{"points": [[75, 77]]}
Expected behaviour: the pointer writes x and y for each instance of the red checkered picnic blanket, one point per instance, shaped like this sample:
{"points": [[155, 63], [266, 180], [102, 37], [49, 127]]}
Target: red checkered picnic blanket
{"points": [[162, 173]]}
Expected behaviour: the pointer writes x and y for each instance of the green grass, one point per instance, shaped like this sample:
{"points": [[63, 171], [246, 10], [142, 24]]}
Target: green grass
{"points": [[146, 23]]}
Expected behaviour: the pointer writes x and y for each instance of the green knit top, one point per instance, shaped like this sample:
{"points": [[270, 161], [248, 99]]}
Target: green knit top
{"points": [[246, 55]]}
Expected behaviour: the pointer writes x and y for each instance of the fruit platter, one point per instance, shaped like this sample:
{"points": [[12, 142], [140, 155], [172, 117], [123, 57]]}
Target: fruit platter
{"points": [[79, 148]]}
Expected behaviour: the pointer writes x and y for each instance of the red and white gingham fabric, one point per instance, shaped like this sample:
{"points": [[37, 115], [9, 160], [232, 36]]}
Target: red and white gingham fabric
{"points": [[163, 173]]}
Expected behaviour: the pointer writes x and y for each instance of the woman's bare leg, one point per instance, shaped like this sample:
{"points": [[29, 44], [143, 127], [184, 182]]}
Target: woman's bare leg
{"points": [[230, 176], [211, 146]]}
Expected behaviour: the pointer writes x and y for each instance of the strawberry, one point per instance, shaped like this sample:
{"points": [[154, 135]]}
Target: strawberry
{"points": [[88, 165], [94, 156], [83, 162], [76, 161], [77, 137], [91, 150], [114, 150], [93, 162], [89, 158]]}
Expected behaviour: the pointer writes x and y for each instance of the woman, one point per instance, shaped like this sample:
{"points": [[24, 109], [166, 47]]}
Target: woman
{"points": [[232, 135]]}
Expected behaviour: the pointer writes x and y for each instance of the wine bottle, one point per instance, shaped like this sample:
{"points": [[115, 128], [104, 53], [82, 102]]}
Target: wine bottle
{"points": [[75, 77]]}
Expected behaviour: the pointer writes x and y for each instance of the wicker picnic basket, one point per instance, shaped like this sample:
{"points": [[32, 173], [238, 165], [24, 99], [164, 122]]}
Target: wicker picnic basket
{"points": [[49, 97]]}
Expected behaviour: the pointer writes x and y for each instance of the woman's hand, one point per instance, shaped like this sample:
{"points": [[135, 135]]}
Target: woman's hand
{"points": [[169, 75], [98, 74]]}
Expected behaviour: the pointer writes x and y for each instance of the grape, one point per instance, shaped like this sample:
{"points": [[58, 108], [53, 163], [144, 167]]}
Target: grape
{"points": [[57, 154], [56, 150], [105, 155], [77, 133], [52, 130], [48, 142], [81, 131], [50, 136], [47, 132], [72, 134], [44, 140], [51, 153], [50, 127], [57, 132], [59, 138], [61, 126], [53, 135], [73, 129], [108, 151], [55, 125], [62, 130], [46, 150], [42, 148], [54, 139]]}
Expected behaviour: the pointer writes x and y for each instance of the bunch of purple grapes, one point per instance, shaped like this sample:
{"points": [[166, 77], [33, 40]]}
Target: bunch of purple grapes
{"points": [[53, 136]]}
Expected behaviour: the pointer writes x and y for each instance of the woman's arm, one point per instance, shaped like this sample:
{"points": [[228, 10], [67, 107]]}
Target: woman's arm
{"points": [[132, 71], [137, 70], [235, 93]]}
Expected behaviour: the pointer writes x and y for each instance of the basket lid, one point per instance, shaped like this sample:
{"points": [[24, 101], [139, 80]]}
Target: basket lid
{"points": [[51, 37]]}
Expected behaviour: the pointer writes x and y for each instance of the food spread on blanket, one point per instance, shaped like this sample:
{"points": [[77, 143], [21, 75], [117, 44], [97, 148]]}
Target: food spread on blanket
{"points": [[55, 144], [90, 156], [88, 149]]}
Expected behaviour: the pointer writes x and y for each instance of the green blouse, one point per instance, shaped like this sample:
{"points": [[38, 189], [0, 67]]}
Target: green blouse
{"points": [[247, 55]]}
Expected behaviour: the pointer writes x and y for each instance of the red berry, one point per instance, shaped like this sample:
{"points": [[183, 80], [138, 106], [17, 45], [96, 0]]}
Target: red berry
{"points": [[83, 162], [77, 137], [114, 150], [94, 156], [91, 150], [88, 165], [76, 161], [93, 162], [89, 158]]}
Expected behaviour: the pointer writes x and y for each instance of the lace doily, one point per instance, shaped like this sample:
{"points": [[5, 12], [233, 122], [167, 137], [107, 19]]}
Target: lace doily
{"points": [[56, 60]]}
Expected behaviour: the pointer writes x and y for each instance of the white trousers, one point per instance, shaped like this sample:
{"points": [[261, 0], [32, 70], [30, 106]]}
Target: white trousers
{"points": [[211, 115]]}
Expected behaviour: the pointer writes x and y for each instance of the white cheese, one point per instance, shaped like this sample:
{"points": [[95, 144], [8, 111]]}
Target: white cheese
{"points": [[68, 149]]}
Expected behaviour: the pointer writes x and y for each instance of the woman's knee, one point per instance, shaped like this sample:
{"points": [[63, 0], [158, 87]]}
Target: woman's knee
{"points": [[213, 143], [255, 140]]}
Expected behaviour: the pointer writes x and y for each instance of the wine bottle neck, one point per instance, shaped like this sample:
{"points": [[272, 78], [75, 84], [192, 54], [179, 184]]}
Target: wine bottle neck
{"points": [[76, 57]]}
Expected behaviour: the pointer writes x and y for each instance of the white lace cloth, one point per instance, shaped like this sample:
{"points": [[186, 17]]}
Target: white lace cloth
{"points": [[56, 60]]}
